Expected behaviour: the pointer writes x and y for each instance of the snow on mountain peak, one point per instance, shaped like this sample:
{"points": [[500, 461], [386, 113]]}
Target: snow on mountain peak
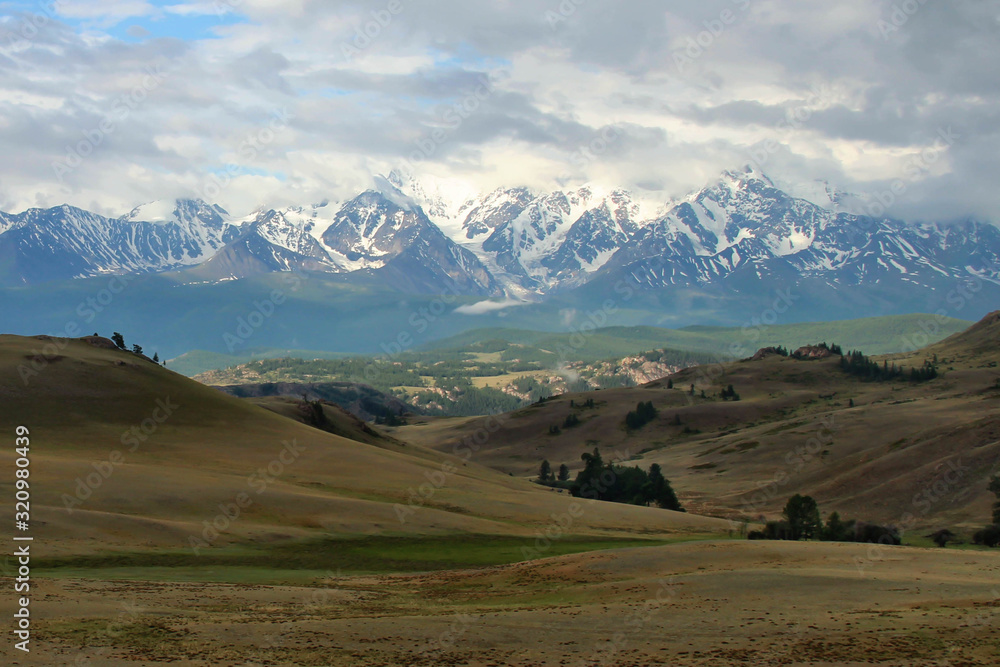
{"points": [[161, 211], [525, 242]]}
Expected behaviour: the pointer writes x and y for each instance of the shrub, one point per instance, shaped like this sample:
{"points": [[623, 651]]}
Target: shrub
{"points": [[988, 536]]}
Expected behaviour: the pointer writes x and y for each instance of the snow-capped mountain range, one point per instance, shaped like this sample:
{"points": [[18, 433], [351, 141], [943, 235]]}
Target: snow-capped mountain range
{"points": [[512, 242]]}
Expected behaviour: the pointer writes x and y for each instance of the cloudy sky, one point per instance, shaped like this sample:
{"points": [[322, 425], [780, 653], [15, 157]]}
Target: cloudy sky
{"points": [[106, 104]]}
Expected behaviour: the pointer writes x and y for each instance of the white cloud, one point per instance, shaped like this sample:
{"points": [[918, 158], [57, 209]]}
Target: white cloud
{"points": [[607, 64], [485, 307], [104, 12]]}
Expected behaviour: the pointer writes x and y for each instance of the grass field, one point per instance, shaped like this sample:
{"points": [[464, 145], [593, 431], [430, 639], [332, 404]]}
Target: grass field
{"points": [[371, 550], [309, 560], [698, 604]]}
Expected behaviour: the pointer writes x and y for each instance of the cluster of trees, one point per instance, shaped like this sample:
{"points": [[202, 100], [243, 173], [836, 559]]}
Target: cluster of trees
{"points": [[620, 484], [119, 341], [546, 476], [642, 415], [729, 393], [859, 365], [990, 535], [801, 521]]}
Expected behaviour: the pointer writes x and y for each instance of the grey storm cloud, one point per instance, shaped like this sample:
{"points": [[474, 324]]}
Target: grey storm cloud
{"points": [[844, 92]]}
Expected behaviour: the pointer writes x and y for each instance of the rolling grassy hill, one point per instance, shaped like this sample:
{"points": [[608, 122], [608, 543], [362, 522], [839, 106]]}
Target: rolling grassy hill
{"points": [[319, 569], [131, 462], [888, 451]]}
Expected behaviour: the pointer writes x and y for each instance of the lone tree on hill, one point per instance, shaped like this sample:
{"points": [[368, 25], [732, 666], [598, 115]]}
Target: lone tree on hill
{"points": [[118, 340], [563, 473], [943, 537], [136, 349], [802, 515]]}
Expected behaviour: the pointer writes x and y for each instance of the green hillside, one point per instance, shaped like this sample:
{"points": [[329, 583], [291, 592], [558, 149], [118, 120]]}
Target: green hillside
{"points": [[198, 361], [874, 335]]}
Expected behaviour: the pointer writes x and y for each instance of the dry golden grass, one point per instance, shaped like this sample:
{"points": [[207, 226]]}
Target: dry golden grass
{"points": [[322, 572], [887, 458], [213, 447], [698, 604]]}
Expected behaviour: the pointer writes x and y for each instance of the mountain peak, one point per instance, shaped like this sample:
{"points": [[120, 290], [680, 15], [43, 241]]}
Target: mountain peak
{"points": [[385, 187], [165, 211], [749, 173]]}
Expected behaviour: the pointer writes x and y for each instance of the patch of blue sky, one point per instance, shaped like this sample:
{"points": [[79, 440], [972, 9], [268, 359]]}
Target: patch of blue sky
{"points": [[466, 57], [135, 22], [186, 28], [236, 169]]}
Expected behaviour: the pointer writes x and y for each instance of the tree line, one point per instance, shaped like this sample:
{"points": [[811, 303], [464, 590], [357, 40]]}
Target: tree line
{"points": [[614, 483], [801, 520], [857, 364]]}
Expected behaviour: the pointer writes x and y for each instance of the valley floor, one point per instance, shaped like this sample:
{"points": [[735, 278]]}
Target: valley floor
{"points": [[696, 603]]}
